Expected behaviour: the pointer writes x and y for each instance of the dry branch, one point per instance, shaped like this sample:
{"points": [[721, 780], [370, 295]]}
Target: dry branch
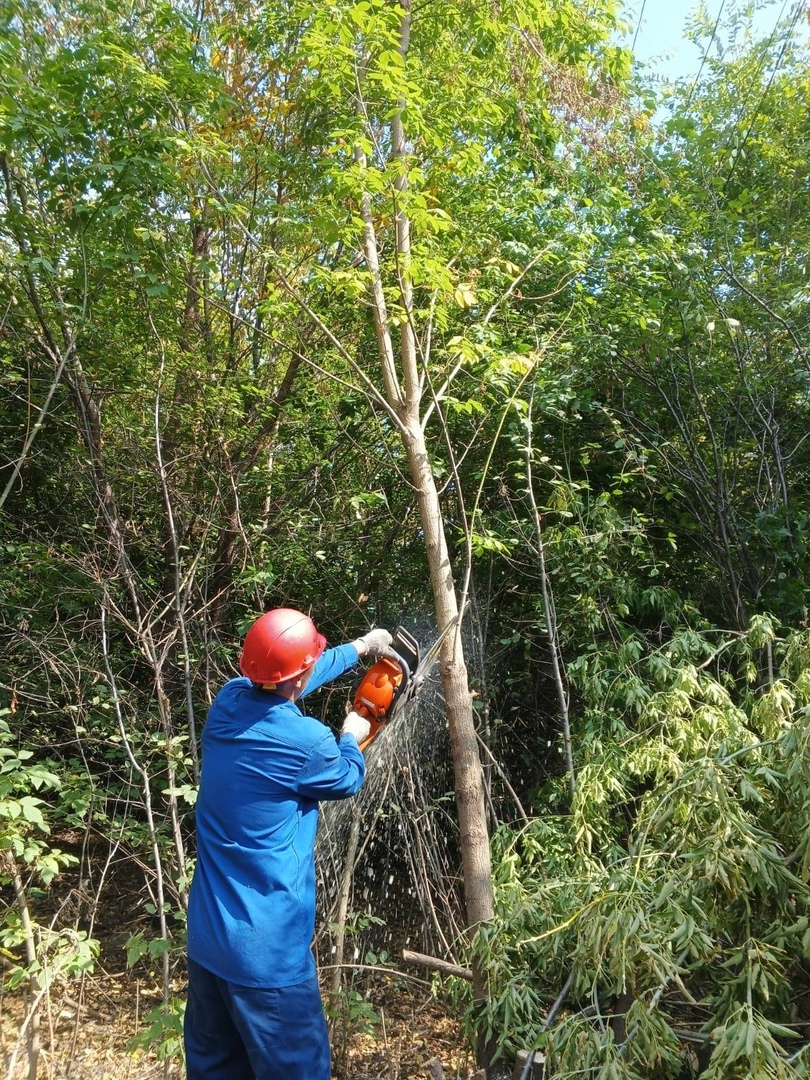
{"points": [[434, 964]]}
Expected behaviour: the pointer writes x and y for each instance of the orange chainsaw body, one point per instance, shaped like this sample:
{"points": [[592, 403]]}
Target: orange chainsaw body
{"points": [[381, 687]]}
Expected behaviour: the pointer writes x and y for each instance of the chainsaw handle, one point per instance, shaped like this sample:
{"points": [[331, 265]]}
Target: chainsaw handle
{"points": [[392, 654]]}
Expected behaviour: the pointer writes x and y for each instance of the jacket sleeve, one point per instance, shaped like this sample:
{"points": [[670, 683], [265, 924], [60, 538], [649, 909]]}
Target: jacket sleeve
{"points": [[333, 664], [332, 770]]}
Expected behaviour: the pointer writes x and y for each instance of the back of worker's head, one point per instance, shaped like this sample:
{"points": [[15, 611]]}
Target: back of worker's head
{"points": [[280, 646]]}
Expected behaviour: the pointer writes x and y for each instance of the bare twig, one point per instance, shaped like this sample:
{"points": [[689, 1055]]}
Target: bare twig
{"points": [[549, 612]]}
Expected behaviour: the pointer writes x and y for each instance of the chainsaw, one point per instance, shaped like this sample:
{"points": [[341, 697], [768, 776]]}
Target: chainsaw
{"points": [[385, 689]]}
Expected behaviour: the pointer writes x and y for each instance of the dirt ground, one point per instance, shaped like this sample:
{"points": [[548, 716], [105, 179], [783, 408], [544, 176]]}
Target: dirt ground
{"points": [[86, 1030], [86, 1027]]}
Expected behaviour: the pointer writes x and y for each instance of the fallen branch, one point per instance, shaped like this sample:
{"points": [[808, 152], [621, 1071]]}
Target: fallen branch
{"points": [[434, 964]]}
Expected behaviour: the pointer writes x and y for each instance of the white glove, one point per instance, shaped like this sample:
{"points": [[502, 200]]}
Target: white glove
{"points": [[374, 642], [356, 725]]}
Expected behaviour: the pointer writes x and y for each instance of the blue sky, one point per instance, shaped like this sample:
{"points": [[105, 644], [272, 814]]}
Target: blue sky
{"points": [[660, 40]]}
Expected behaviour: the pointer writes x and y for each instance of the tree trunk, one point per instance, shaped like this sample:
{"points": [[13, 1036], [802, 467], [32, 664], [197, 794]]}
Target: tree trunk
{"points": [[403, 389], [467, 771], [468, 774]]}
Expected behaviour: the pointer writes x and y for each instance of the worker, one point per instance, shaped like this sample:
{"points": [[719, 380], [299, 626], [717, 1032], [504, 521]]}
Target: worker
{"points": [[254, 1011]]}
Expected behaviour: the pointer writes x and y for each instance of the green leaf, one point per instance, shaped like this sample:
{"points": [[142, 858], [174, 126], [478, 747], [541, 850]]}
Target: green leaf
{"points": [[136, 947]]}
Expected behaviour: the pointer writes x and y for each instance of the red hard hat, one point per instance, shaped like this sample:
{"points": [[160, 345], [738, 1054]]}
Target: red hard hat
{"points": [[280, 645]]}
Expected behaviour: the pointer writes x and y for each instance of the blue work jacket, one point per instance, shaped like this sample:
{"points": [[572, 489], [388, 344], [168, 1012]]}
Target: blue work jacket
{"points": [[265, 766]]}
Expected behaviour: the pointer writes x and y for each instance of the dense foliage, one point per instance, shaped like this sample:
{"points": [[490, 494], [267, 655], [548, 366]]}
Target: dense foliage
{"points": [[608, 287]]}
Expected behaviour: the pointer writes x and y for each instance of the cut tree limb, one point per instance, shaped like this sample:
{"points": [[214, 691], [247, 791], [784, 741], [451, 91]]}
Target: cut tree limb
{"points": [[435, 964]]}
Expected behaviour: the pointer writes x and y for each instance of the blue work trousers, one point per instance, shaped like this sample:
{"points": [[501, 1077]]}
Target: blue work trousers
{"points": [[253, 1033]]}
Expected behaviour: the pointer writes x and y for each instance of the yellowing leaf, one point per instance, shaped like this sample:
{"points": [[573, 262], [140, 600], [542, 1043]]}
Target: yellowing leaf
{"points": [[464, 295]]}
